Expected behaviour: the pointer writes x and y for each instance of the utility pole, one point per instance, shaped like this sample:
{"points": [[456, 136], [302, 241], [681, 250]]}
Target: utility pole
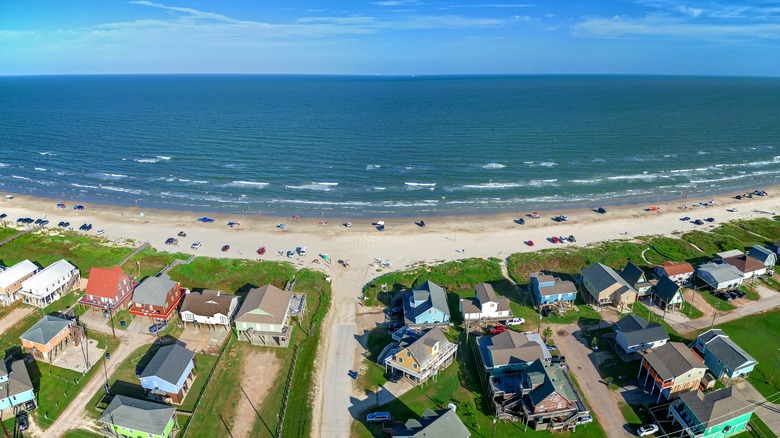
{"points": [[714, 312], [495, 420], [111, 318], [539, 329]]}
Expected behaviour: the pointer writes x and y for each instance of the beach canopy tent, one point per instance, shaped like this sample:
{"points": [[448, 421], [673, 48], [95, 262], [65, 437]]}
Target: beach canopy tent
{"points": [[205, 220]]}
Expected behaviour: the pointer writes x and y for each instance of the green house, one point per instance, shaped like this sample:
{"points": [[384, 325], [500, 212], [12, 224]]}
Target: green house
{"points": [[263, 318], [715, 414], [133, 418]]}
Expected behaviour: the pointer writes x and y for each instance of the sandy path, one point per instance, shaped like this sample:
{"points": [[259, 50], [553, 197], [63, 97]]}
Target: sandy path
{"points": [[254, 388], [15, 316]]}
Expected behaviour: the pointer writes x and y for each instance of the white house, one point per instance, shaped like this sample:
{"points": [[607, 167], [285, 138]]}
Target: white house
{"points": [[50, 284], [212, 307], [679, 273], [633, 333], [748, 266], [720, 276], [11, 280], [485, 305], [763, 255]]}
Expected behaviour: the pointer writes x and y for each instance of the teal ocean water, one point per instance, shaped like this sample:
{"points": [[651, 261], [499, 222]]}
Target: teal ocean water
{"points": [[392, 145]]}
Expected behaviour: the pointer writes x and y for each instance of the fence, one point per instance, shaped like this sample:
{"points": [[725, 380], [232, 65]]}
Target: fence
{"points": [[140, 248], [225, 346], [287, 385], [18, 235]]}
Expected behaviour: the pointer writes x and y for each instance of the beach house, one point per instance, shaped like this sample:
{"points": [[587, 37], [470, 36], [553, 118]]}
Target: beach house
{"points": [[636, 277], [723, 357], [765, 256], [48, 337], [549, 290], [156, 297], [750, 268], [719, 256], [633, 333], [133, 418], [720, 276], [11, 280], [168, 376], [108, 289], [511, 351], [716, 414], [605, 286], [680, 273], [485, 305], [671, 369], [50, 284], [441, 423], [425, 305], [264, 316], [16, 388], [419, 357], [211, 307], [667, 294]]}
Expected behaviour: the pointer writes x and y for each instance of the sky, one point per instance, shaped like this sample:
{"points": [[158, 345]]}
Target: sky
{"points": [[390, 37]]}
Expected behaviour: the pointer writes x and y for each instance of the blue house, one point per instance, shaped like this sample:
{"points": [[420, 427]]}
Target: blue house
{"points": [[722, 356], [426, 304], [168, 375], [551, 290], [15, 385]]}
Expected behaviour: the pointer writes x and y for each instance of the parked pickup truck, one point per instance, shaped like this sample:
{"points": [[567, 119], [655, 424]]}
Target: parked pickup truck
{"points": [[514, 321]]}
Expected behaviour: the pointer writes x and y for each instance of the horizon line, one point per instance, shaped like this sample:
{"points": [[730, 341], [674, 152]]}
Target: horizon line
{"points": [[406, 75]]}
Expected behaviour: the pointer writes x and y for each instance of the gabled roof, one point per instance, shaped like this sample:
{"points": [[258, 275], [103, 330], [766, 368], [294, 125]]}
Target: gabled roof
{"points": [[14, 273], [666, 289], [672, 268], [761, 254], [745, 263], [168, 363], [715, 407], [442, 423], [602, 277], [104, 282], [208, 303], [719, 344], [485, 294], [48, 275], [418, 346], [558, 288], [729, 253], [632, 274], [511, 347], [45, 330], [672, 360], [638, 331], [271, 300], [553, 380], [18, 379], [139, 415], [721, 272], [432, 296], [153, 290]]}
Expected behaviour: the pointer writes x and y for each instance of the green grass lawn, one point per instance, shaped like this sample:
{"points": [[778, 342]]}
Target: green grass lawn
{"points": [[758, 334], [640, 309], [676, 250], [748, 239], [82, 433], [722, 306], [151, 262], [711, 243], [373, 375], [772, 283], [768, 228], [750, 292], [231, 275]]}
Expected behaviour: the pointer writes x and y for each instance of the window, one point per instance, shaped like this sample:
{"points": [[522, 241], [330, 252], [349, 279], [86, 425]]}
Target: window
{"points": [[408, 353], [414, 366], [400, 360]]}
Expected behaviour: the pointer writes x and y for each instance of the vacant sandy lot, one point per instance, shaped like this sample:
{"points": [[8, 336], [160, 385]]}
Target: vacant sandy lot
{"points": [[258, 373]]}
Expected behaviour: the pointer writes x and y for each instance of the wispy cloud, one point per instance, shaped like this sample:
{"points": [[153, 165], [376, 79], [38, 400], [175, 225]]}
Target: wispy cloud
{"points": [[396, 3], [656, 26]]}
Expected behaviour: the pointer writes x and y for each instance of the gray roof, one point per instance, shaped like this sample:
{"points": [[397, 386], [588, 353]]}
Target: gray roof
{"points": [[711, 333], [558, 288], [433, 424], [638, 331], [666, 289], [485, 293], [672, 360], [729, 253], [271, 300], [632, 274], [553, 380], [720, 272], [169, 363], [153, 290], [715, 407], [726, 350], [432, 295], [602, 277], [762, 254], [418, 346], [208, 303], [18, 379], [45, 330], [139, 415], [511, 347]]}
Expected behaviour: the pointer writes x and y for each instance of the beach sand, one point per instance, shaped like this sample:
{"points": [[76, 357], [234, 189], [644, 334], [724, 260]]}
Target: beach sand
{"points": [[403, 243]]}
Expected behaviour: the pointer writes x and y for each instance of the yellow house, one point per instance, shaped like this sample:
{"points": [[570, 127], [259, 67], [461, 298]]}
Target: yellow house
{"points": [[605, 286], [418, 357]]}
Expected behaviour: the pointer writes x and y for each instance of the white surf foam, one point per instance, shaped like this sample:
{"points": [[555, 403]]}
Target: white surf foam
{"points": [[40, 169], [494, 166], [162, 157], [319, 187], [254, 184], [147, 160]]}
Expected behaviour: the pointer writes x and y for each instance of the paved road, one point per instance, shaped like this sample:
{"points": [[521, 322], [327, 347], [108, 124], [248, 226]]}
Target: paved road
{"points": [[768, 301], [600, 399], [73, 417]]}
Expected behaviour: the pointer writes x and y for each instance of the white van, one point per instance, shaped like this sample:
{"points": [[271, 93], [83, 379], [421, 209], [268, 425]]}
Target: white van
{"points": [[301, 250]]}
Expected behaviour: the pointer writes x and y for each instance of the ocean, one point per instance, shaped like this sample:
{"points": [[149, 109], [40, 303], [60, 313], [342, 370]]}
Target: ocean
{"points": [[395, 146]]}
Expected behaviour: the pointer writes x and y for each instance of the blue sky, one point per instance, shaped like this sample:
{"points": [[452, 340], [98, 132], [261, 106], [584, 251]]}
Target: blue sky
{"points": [[390, 37]]}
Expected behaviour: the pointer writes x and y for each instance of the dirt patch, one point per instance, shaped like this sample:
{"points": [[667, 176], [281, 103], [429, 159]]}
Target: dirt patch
{"points": [[254, 388], [562, 333]]}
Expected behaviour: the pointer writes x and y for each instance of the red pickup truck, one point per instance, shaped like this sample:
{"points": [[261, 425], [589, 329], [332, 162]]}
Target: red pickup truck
{"points": [[498, 329]]}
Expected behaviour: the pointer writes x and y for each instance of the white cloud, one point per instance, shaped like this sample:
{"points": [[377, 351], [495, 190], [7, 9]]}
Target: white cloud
{"points": [[693, 12], [657, 26], [395, 2]]}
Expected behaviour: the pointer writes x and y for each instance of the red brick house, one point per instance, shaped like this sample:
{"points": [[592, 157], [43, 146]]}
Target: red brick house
{"points": [[156, 297], [108, 289]]}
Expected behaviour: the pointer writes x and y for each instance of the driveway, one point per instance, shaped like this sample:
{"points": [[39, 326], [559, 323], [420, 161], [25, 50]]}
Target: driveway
{"points": [[203, 339], [599, 398], [15, 316], [768, 412]]}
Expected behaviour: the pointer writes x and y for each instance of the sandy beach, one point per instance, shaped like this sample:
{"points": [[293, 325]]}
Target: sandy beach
{"points": [[403, 242]]}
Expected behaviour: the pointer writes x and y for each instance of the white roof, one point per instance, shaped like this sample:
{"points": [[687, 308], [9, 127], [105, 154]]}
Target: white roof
{"points": [[16, 272], [49, 275]]}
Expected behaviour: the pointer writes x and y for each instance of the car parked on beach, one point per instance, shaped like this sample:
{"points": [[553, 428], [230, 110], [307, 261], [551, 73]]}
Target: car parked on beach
{"points": [[572, 239], [698, 222], [685, 219], [225, 248], [555, 239], [3, 215], [182, 234], [529, 242], [710, 219], [196, 245], [100, 232]]}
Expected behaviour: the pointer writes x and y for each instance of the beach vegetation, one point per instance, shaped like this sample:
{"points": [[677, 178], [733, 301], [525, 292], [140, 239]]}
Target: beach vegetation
{"points": [[767, 228], [675, 250], [150, 261], [231, 275], [747, 238], [712, 243]]}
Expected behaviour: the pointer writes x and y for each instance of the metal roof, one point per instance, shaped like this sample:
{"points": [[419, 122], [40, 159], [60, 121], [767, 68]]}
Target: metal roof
{"points": [[672, 360], [269, 299], [139, 415], [168, 363], [45, 330], [48, 275], [715, 407], [153, 290], [16, 272], [638, 331]]}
